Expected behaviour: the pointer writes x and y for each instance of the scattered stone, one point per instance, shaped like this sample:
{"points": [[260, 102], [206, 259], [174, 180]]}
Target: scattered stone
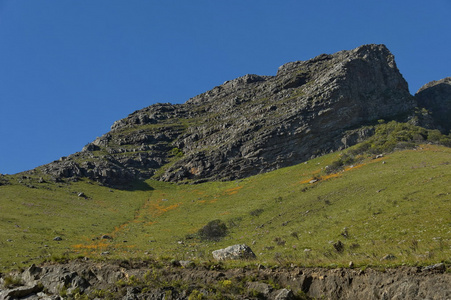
{"points": [[57, 238], [186, 263], [283, 294], [345, 232], [351, 264], [437, 267], [20, 292], [234, 252], [106, 237], [82, 195]]}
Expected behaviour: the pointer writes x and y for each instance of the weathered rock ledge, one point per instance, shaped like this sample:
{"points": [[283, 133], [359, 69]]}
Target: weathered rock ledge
{"points": [[251, 124], [179, 280]]}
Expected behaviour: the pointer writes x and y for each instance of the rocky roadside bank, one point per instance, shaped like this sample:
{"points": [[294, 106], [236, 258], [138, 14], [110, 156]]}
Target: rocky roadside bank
{"points": [[85, 279]]}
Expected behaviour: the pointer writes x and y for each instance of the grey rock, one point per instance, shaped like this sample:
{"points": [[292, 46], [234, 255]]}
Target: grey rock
{"points": [[315, 283], [260, 288], [283, 294], [234, 252], [56, 282], [57, 238], [435, 97], [186, 263], [31, 274], [437, 267], [132, 293], [20, 292], [251, 124]]}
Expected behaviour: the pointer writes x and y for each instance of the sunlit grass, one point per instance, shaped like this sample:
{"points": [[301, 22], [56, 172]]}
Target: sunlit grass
{"points": [[399, 204]]}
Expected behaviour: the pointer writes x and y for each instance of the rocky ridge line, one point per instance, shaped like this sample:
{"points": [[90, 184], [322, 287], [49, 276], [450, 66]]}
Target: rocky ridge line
{"points": [[251, 124]]}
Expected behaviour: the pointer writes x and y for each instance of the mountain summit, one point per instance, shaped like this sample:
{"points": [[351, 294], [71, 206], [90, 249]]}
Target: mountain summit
{"points": [[251, 124]]}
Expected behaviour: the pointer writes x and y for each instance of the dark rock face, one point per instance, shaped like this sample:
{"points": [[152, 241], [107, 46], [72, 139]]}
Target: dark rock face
{"points": [[435, 96], [251, 124]]}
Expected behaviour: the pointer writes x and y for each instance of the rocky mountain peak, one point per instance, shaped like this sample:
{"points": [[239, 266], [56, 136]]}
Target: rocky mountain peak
{"points": [[251, 124], [435, 96]]}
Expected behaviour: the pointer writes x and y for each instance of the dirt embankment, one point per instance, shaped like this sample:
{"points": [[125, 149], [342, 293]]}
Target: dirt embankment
{"points": [[84, 279]]}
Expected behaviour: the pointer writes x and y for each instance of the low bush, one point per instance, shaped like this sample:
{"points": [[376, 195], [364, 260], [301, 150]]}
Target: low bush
{"points": [[213, 231]]}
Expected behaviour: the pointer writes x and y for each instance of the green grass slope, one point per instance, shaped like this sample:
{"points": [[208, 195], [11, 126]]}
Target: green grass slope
{"points": [[397, 206]]}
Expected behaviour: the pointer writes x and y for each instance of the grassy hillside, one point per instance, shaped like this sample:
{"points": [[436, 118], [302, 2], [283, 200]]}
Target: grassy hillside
{"points": [[398, 205]]}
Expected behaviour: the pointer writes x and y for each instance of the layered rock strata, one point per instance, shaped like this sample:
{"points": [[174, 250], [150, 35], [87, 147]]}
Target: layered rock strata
{"points": [[251, 124]]}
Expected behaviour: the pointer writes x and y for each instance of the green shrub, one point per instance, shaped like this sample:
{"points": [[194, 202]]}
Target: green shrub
{"points": [[176, 152], [196, 295], [12, 281], [256, 212], [213, 231], [345, 160], [389, 137]]}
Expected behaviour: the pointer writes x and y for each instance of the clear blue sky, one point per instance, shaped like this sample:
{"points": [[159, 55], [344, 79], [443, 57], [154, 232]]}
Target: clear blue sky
{"points": [[70, 68]]}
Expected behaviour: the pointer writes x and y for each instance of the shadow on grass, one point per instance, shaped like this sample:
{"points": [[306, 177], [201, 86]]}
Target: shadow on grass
{"points": [[137, 186]]}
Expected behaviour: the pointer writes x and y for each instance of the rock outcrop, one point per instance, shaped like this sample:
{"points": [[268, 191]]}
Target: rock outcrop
{"points": [[251, 124], [234, 252], [141, 280], [435, 97]]}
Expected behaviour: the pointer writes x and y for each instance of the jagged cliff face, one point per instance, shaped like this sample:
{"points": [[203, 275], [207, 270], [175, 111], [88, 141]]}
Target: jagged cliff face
{"points": [[435, 96], [251, 124]]}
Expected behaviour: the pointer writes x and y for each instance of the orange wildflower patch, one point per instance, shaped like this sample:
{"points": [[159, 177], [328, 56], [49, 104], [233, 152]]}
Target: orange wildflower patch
{"points": [[354, 167], [306, 181], [119, 228], [152, 208], [325, 177], [233, 190], [334, 175], [155, 209], [198, 192]]}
